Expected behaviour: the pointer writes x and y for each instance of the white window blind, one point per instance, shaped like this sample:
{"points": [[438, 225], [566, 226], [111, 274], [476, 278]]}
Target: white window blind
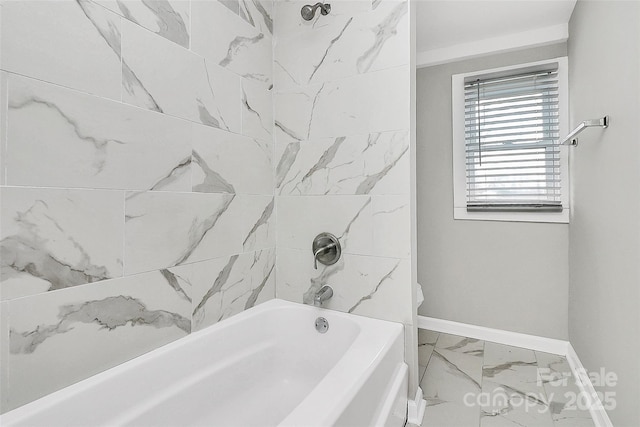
{"points": [[511, 143]]}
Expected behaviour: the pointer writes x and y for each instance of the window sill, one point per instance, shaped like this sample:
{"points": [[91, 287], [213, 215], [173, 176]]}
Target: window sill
{"points": [[550, 217]]}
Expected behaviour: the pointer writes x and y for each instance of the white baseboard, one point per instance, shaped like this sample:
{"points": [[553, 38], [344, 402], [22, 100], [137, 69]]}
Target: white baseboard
{"points": [[416, 408], [598, 413], [533, 342], [516, 339]]}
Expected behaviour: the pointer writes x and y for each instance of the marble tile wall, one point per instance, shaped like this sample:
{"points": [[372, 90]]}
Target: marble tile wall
{"points": [[342, 136], [146, 147], [137, 170]]}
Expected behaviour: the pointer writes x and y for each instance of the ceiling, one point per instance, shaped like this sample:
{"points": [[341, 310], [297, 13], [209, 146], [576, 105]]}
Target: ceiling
{"points": [[455, 23]]}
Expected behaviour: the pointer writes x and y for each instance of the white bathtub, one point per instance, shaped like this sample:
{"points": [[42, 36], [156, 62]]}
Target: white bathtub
{"points": [[267, 366]]}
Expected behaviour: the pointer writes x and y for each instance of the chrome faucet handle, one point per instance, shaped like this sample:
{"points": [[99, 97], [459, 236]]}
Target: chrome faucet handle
{"points": [[319, 251], [326, 249]]}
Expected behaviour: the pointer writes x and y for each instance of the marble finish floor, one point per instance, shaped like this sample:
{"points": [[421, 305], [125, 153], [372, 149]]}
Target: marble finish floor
{"points": [[473, 383]]}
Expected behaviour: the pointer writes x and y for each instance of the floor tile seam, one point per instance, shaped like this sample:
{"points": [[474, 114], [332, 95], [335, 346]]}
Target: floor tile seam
{"points": [[468, 357], [544, 389], [423, 373]]}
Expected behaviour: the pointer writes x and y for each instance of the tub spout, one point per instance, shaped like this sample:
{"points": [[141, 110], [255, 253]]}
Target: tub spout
{"points": [[322, 295]]}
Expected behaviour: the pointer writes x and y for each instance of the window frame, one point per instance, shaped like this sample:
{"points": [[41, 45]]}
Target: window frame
{"points": [[459, 155]]}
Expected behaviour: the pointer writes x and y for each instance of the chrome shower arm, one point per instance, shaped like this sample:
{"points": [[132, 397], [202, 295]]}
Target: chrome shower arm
{"points": [[308, 11]]}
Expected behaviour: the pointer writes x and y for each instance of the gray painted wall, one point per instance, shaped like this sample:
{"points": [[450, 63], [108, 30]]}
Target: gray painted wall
{"points": [[506, 275], [604, 234]]}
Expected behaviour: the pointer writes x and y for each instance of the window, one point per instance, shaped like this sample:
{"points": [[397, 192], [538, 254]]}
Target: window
{"points": [[508, 164]]}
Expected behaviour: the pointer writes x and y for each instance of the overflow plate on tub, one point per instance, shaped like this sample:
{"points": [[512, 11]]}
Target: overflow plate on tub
{"points": [[322, 325]]}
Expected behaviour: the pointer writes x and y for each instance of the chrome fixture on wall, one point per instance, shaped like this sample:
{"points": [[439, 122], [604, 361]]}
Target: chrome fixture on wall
{"points": [[323, 294], [326, 249], [308, 11], [571, 139]]}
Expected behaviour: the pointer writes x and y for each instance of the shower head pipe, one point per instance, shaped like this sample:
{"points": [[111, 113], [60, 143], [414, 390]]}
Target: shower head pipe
{"points": [[308, 11]]}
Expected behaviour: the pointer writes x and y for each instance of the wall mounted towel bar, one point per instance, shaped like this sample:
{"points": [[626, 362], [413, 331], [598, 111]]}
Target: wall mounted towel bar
{"points": [[571, 138]]}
